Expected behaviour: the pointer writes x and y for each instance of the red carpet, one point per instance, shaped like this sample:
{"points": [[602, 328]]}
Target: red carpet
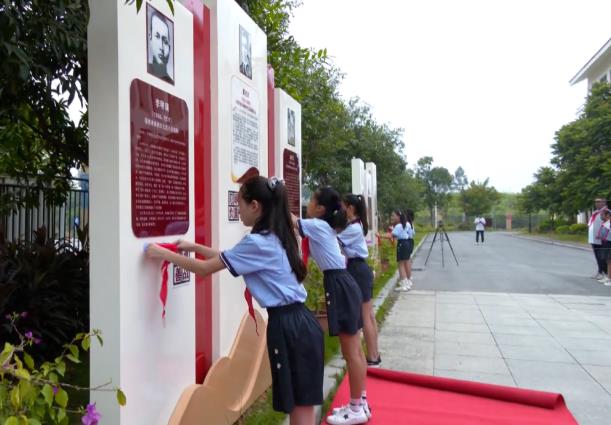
{"points": [[398, 398]]}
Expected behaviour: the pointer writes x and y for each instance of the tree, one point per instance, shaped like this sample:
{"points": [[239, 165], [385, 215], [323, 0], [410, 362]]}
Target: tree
{"points": [[44, 68], [436, 183], [460, 180], [478, 198], [582, 153], [543, 194]]}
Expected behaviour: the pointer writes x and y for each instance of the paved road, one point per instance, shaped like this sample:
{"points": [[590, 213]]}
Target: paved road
{"points": [[515, 312], [506, 263]]}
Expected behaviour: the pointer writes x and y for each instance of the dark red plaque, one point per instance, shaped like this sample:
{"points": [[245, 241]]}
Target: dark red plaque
{"points": [[290, 167], [159, 161]]}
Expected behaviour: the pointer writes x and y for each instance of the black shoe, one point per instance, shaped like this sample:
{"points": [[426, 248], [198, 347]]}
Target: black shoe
{"points": [[374, 363]]}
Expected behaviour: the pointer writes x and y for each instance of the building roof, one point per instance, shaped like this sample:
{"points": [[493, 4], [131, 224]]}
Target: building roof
{"points": [[603, 52]]}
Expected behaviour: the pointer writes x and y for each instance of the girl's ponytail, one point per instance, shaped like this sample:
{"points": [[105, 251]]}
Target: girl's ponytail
{"points": [[401, 217], [334, 214], [275, 217], [360, 209], [409, 216]]}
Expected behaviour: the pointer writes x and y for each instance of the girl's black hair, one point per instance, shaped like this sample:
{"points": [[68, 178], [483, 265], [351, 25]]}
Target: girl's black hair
{"points": [[334, 214], [360, 209], [401, 217], [409, 216], [275, 217]]}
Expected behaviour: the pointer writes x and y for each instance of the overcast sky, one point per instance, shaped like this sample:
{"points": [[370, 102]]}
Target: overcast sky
{"points": [[482, 84]]}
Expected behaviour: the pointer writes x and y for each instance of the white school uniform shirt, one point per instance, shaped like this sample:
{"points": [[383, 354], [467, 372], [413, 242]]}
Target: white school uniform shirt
{"points": [[262, 261], [594, 228], [324, 246], [353, 242], [480, 223], [399, 232]]}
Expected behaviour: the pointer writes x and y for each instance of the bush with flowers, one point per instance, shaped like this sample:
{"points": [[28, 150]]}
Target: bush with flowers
{"points": [[36, 394]]}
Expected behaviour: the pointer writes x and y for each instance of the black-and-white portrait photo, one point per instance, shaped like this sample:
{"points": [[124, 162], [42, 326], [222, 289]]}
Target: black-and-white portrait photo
{"points": [[290, 127], [245, 53], [160, 44]]}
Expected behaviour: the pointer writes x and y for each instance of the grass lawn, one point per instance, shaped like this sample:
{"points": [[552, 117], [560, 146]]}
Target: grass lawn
{"points": [[562, 237]]}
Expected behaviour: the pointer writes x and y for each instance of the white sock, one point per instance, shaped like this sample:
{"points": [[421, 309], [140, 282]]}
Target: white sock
{"points": [[364, 395], [356, 404]]}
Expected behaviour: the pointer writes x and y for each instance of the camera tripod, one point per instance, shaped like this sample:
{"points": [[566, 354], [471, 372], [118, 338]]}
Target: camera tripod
{"points": [[440, 231]]}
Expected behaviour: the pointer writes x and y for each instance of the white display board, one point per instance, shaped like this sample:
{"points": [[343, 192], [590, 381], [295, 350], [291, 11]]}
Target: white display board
{"points": [[288, 160], [141, 162], [239, 140], [364, 182]]}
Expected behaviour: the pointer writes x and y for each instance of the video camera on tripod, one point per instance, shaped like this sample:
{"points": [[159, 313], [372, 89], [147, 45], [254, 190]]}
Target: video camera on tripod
{"points": [[443, 236]]}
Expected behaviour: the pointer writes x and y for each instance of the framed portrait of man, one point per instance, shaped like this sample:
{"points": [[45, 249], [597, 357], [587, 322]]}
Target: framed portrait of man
{"points": [[159, 44], [290, 124], [245, 53]]}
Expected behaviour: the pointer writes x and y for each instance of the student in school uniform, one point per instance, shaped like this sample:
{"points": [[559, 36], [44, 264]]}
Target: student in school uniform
{"points": [[409, 219], [604, 234], [480, 227], [402, 232], [268, 259], [353, 244], [343, 297]]}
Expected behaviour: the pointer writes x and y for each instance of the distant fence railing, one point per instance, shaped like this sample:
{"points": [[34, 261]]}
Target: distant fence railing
{"points": [[60, 221], [494, 221]]}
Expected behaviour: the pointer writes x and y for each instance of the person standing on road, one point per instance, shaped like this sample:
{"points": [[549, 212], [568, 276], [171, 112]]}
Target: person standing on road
{"points": [[594, 239], [480, 226], [605, 239]]}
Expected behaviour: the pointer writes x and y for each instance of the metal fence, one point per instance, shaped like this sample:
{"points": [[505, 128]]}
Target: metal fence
{"points": [[60, 221], [494, 221]]}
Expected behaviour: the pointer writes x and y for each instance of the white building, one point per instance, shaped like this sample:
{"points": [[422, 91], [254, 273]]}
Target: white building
{"points": [[598, 69]]}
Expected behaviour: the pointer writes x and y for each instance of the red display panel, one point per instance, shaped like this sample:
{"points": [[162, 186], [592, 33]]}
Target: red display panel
{"points": [[159, 161], [290, 169]]}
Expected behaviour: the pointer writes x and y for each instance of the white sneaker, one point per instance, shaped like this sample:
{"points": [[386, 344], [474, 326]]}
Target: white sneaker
{"points": [[606, 282], [402, 288], [597, 276], [365, 405], [602, 278], [348, 417], [410, 283]]}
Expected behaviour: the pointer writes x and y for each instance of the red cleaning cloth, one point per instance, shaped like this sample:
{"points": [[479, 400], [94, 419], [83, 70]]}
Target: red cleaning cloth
{"points": [[401, 398]]}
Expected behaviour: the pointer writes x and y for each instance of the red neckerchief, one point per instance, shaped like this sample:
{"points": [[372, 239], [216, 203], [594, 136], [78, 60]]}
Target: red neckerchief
{"points": [[593, 217], [251, 309], [163, 292], [305, 250]]}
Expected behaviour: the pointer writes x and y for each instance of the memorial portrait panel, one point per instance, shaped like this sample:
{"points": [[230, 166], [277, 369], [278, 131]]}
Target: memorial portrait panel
{"points": [[290, 131], [245, 53], [159, 44]]}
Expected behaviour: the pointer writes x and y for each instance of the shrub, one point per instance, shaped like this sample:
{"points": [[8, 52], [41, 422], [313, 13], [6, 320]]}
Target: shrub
{"points": [[50, 281], [36, 393], [563, 229], [578, 229], [546, 226]]}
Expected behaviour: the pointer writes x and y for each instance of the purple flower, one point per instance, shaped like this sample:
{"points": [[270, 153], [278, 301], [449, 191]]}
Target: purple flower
{"points": [[29, 335], [55, 389], [37, 340], [92, 416], [24, 314]]}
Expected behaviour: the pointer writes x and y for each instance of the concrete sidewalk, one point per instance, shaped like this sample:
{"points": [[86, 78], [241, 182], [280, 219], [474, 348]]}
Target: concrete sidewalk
{"points": [[558, 343]]}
